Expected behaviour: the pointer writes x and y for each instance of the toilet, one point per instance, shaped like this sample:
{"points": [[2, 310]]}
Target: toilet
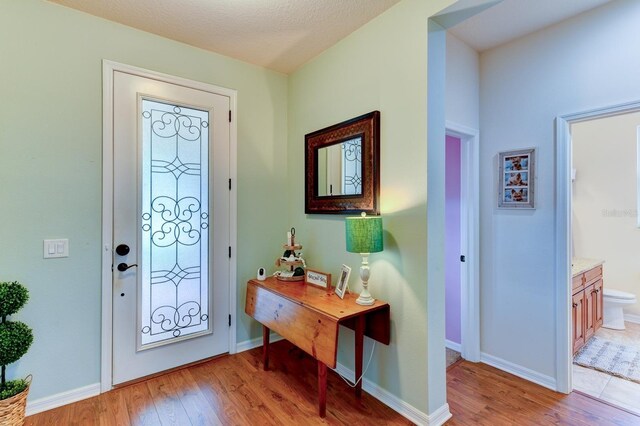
{"points": [[614, 301]]}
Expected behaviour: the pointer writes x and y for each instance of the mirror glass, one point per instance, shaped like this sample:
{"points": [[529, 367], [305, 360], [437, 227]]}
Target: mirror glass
{"points": [[340, 168]]}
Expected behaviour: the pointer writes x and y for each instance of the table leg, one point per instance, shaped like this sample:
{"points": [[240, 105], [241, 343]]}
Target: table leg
{"points": [[265, 347], [359, 347], [322, 389]]}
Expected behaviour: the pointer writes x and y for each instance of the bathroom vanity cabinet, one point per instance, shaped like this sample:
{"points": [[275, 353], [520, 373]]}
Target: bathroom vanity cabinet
{"points": [[587, 301]]}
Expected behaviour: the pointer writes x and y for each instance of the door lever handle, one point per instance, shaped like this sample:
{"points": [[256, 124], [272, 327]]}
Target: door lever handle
{"points": [[123, 266]]}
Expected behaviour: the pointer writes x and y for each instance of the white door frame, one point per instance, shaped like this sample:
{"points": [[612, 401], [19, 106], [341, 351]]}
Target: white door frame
{"points": [[108, 69], [564, 352], [469, 239]]}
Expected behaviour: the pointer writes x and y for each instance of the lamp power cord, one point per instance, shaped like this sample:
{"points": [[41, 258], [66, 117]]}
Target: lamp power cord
{"points": [[347, 381]]}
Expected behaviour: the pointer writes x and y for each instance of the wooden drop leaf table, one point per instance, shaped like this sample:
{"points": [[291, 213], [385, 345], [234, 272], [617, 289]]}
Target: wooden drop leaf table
{"points": [[309, 317]]}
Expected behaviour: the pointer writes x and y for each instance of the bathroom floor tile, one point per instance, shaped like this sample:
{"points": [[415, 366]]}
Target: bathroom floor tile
{"points": [[630, 336], [617, 391], [623, 393], [589, 381]]}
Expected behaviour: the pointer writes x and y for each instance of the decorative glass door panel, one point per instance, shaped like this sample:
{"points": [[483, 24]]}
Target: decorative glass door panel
{"points": [[352, 166], [174, 231]]}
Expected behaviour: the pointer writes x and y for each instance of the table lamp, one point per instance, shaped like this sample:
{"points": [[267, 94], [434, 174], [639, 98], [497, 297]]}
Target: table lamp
{"points": [[364, 236]]}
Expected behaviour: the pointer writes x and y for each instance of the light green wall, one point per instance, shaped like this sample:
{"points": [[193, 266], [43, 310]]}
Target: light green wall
{"points": [[50, 171], [50, 174], [382, 66]]}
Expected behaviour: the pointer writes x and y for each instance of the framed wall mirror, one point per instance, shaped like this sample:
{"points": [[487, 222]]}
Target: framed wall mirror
{"points": [[342, 167]]}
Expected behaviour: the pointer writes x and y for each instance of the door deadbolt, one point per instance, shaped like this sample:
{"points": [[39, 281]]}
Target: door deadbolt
{"points": [[122, 250]]}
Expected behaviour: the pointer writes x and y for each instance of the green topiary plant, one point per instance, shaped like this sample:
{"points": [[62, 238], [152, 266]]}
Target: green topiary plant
{"points": [[15, 336]]}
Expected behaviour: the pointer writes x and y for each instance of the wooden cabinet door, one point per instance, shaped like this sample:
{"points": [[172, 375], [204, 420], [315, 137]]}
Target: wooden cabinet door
{"points": [[590, 297], [577, 318], [598, 304]]}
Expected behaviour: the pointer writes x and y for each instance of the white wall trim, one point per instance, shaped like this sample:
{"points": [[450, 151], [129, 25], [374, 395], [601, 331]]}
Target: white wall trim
{"points": [[563, 224], [563, 257], [453, 345], [637, 176], [108, 68], [520, 371], [438, 417], [234, 310], [469, 239], [632, 318], [62, 398], [246, 345], [106, 359]]}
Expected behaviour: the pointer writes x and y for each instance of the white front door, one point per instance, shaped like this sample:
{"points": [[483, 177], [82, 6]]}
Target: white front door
{"points": [[170, 225]]}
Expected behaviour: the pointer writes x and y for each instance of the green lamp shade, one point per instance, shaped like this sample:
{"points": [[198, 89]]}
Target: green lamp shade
{"points": [[364, 234]]}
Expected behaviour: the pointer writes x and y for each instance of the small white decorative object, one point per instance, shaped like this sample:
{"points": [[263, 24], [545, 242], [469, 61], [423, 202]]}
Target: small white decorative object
{"points": [[262, 274]]}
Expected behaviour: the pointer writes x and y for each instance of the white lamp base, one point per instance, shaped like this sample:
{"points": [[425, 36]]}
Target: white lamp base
{"points": [[365, 297], [366, 301]]}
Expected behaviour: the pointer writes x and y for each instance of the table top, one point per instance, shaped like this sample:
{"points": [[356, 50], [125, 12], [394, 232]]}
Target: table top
{"points": [[319, 298]]}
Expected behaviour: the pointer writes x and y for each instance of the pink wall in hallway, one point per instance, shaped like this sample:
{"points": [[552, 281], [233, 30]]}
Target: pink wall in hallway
{"points": [[452, 239]]}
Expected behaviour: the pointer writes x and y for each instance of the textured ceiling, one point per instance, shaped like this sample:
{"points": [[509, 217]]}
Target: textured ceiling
{"points": [[284, 34], [512, 19], [277, 34]]}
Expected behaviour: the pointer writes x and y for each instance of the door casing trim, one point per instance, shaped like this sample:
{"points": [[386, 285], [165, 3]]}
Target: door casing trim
{"points": [[469, 238], [108, 69], [563, 231]]}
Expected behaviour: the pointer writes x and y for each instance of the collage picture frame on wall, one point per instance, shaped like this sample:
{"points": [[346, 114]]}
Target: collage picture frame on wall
{"points": [[516, 179]]}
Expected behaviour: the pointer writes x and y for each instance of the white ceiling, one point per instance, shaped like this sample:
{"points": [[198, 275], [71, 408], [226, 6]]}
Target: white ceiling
{"points": [[512, 19], [284, 34], [277, 34]]}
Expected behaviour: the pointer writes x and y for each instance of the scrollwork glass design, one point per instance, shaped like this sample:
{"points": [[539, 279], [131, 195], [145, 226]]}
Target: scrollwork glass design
{"points": [[352, 166], [174, 230]]}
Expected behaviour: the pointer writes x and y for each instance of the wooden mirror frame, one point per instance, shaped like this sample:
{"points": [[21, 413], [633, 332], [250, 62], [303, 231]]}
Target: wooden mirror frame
{"points": [[367, 126]]}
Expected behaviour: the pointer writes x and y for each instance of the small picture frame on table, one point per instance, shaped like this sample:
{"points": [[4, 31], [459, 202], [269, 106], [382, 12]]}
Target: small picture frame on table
{"points": [[516, 179], [318, 279], [343, 281]]}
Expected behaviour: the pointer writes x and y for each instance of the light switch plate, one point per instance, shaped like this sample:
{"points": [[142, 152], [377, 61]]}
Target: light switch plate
{"points": [[56, 248]]}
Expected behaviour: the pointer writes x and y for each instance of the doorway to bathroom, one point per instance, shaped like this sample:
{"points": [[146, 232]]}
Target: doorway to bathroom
{"points": [[603, 247]]}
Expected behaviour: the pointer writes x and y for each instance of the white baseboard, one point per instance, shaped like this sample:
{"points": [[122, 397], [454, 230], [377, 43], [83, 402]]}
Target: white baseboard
{"points": [[63, 398], [440, 416], [632, 318], [257, 342], [520, 371], [407, 410], [453, 345]]}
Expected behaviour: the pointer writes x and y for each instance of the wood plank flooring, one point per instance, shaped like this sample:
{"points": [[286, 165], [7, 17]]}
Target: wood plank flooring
{"points": [[482, 395], [234, 390], [230, 390]]}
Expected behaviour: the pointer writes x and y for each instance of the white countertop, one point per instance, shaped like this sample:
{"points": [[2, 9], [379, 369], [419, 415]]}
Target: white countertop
{"points": [[580, 265]]}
